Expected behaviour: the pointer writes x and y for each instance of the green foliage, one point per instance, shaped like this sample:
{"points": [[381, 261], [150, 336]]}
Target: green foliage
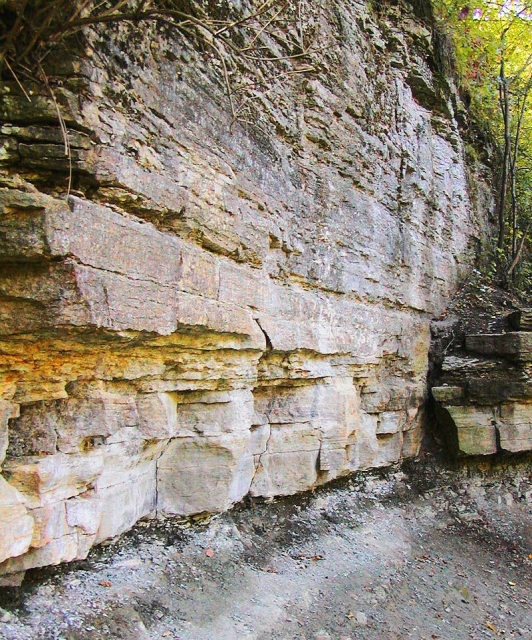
{"points": [[493, 43]]}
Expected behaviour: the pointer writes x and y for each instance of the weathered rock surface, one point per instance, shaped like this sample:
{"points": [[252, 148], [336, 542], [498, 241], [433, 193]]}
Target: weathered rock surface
{"points": [[219, 311], [484, 395]]}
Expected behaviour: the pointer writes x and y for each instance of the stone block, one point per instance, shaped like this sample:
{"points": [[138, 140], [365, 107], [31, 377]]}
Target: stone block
{"points": [[133, 248], [120, 303], [81, 296], [84, 513], [448, 394], [22, 225], [157, 415], [50, 523], [45, 133], [124, 492], [477, 441], [113, 242], [242, 286], [412, 442], [204, 474], [258, 439], [333, 461], [391, 422], [515, 427], [16, 525], [390, 448], [214, 413], [285, 473], [515, 437], [15, 108], [363, 446], [516, 413], [122, 504], [516, 345], [500, 385], [331, 407], [70, 425], [391, 394], [287, 438], [477, 434], [50, 479], [63, 549], [286, 405], [199, 273], [126, 459]]}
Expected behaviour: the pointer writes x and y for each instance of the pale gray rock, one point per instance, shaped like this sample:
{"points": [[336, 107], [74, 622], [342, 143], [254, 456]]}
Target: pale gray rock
{"points": [[221, 311], [16, 525], [203, 474]]}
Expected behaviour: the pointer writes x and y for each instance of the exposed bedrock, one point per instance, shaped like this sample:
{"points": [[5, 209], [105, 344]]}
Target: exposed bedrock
{"points": [[484, 392], [215, 311]]}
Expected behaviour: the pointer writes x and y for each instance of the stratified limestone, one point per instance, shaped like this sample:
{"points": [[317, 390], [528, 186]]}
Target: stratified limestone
{"points": [[220, 311], [513, 346], [484, 397], [515, 426]]}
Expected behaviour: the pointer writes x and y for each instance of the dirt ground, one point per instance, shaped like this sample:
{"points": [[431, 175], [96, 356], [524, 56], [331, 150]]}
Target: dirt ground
{"points": [[419, 552]]}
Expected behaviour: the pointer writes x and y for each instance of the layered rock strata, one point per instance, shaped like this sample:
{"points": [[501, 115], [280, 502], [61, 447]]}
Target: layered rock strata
{"points": [[215, 311], [484, 396]]}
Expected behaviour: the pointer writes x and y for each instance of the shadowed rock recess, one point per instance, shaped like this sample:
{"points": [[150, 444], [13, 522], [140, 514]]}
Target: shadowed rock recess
{"points": [[220, 310]]}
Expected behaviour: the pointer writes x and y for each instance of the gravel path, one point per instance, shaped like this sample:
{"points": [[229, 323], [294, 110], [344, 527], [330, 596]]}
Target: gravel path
{"points": [[422, 553]]}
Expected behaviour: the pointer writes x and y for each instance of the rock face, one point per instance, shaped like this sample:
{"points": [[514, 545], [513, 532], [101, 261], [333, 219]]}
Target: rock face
{"points": [[217, 311], [484, 398]]}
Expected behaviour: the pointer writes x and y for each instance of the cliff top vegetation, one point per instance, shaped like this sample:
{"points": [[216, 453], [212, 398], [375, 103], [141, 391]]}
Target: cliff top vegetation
{"points": [[493, 45]]}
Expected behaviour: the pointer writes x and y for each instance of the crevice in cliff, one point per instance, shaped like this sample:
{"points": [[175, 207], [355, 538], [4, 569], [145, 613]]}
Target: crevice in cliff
{"points": [[269, 346], [158, 514], [258, 464]]}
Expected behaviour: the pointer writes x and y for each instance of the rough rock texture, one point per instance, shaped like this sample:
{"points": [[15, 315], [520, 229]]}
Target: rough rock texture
{"points": [[484, 394], [218, 311]]}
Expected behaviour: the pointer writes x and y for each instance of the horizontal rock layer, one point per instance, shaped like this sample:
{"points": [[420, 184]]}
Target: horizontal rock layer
{"points": [[484, 396], [219, 311]]}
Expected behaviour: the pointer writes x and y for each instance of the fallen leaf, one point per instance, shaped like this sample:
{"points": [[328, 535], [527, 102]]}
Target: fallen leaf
{"points": [[106, 583], [209, 553], [316, 557], [271, 570], [350, 615], [423, 558], [491, 626]]}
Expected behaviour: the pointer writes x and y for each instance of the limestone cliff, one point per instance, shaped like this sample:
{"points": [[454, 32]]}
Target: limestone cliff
{"points": [[219, 309]]}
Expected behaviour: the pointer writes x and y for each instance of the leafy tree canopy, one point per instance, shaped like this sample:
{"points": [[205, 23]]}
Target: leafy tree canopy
{"points": [[493, 43]]}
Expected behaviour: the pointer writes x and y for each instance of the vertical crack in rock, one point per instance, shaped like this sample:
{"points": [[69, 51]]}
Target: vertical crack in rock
{"points": [[258, 465], [269, 346]]}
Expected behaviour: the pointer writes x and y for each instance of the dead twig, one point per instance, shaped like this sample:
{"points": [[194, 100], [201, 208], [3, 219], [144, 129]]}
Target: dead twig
{"points": [[63, 127]]}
